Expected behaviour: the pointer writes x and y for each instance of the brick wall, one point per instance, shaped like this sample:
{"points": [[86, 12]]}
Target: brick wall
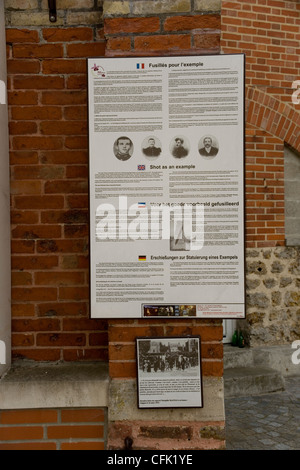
{"points": [[169, 27], [268, 33], [53, 429], [122, 334], [48, 142], [49, 180]]}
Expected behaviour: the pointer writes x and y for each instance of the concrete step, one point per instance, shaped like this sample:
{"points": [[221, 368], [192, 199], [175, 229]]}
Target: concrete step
{"points": [[253, 380], [237, 357]]}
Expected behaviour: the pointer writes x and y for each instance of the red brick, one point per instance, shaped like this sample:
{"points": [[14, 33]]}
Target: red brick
{"points": [[75, 231], [65, 217], [67, 34], [185, 23], [85, 324], [22, 128], [63, 128], [21, 433], [77, 201], [21, 279], [38, 82], [69, 187], [22, 98], [82, 445], [98, 339], [23, 157], [62, 309], [59, 278], [124, 351], [80, 142], [161, 42], [22, 340], [90, 415], [38, 51], [212, 368], [118, 44], [22, 35], [34, 262], [34, 293], [66, 66], [61, 246], [131, 25], [39, 202], [207, 41], [75, 113], [22, 310], [28, 446], [60, 339], [35, 354], [25, 66], [122, 369], [63, 98], [75, 432], [28, 416], [77, 82], [22, 246], [77, 172], [73, 293], [22, 172], [120, 333], [35, 113], [25, 187], [65, 156], [37, 142], [88, 354], [86, 50], [41, 324]]}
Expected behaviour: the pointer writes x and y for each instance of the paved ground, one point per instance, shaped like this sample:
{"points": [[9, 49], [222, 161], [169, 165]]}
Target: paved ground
{"points": [[266, 422]]}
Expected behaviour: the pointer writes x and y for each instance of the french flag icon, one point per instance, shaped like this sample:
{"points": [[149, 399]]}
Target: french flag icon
{"points": [[140, 66]]}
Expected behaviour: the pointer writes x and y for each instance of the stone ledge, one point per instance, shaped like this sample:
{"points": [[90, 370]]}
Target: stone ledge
{"points": [[30, 385], [123, 404]]}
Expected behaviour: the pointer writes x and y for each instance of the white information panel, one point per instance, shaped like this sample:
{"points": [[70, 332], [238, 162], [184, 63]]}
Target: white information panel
{"points": [[166, 163]]}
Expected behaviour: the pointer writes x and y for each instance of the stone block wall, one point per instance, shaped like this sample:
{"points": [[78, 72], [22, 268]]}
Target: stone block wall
{"points": [[273, 296]]}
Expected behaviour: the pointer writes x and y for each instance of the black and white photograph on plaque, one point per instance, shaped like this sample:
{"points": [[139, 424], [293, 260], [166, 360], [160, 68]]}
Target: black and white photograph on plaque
{"points": [[167, 310], [169, 372], [151, 147], [180, 237], [208, 146], [123, 148], [179, 147]]}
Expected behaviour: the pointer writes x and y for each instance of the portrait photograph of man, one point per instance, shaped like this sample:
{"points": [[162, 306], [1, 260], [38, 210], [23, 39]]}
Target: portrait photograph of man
{"points": [[208, 147], [179, 147], [151, 147], [123, 148]]}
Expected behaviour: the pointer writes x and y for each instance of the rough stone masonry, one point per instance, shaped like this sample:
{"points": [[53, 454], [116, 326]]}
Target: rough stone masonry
{"points": [[272, 296]]}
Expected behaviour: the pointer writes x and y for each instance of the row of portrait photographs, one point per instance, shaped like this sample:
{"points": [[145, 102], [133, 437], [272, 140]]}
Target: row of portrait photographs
{"points": [[169, 310], [179, 147]]}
